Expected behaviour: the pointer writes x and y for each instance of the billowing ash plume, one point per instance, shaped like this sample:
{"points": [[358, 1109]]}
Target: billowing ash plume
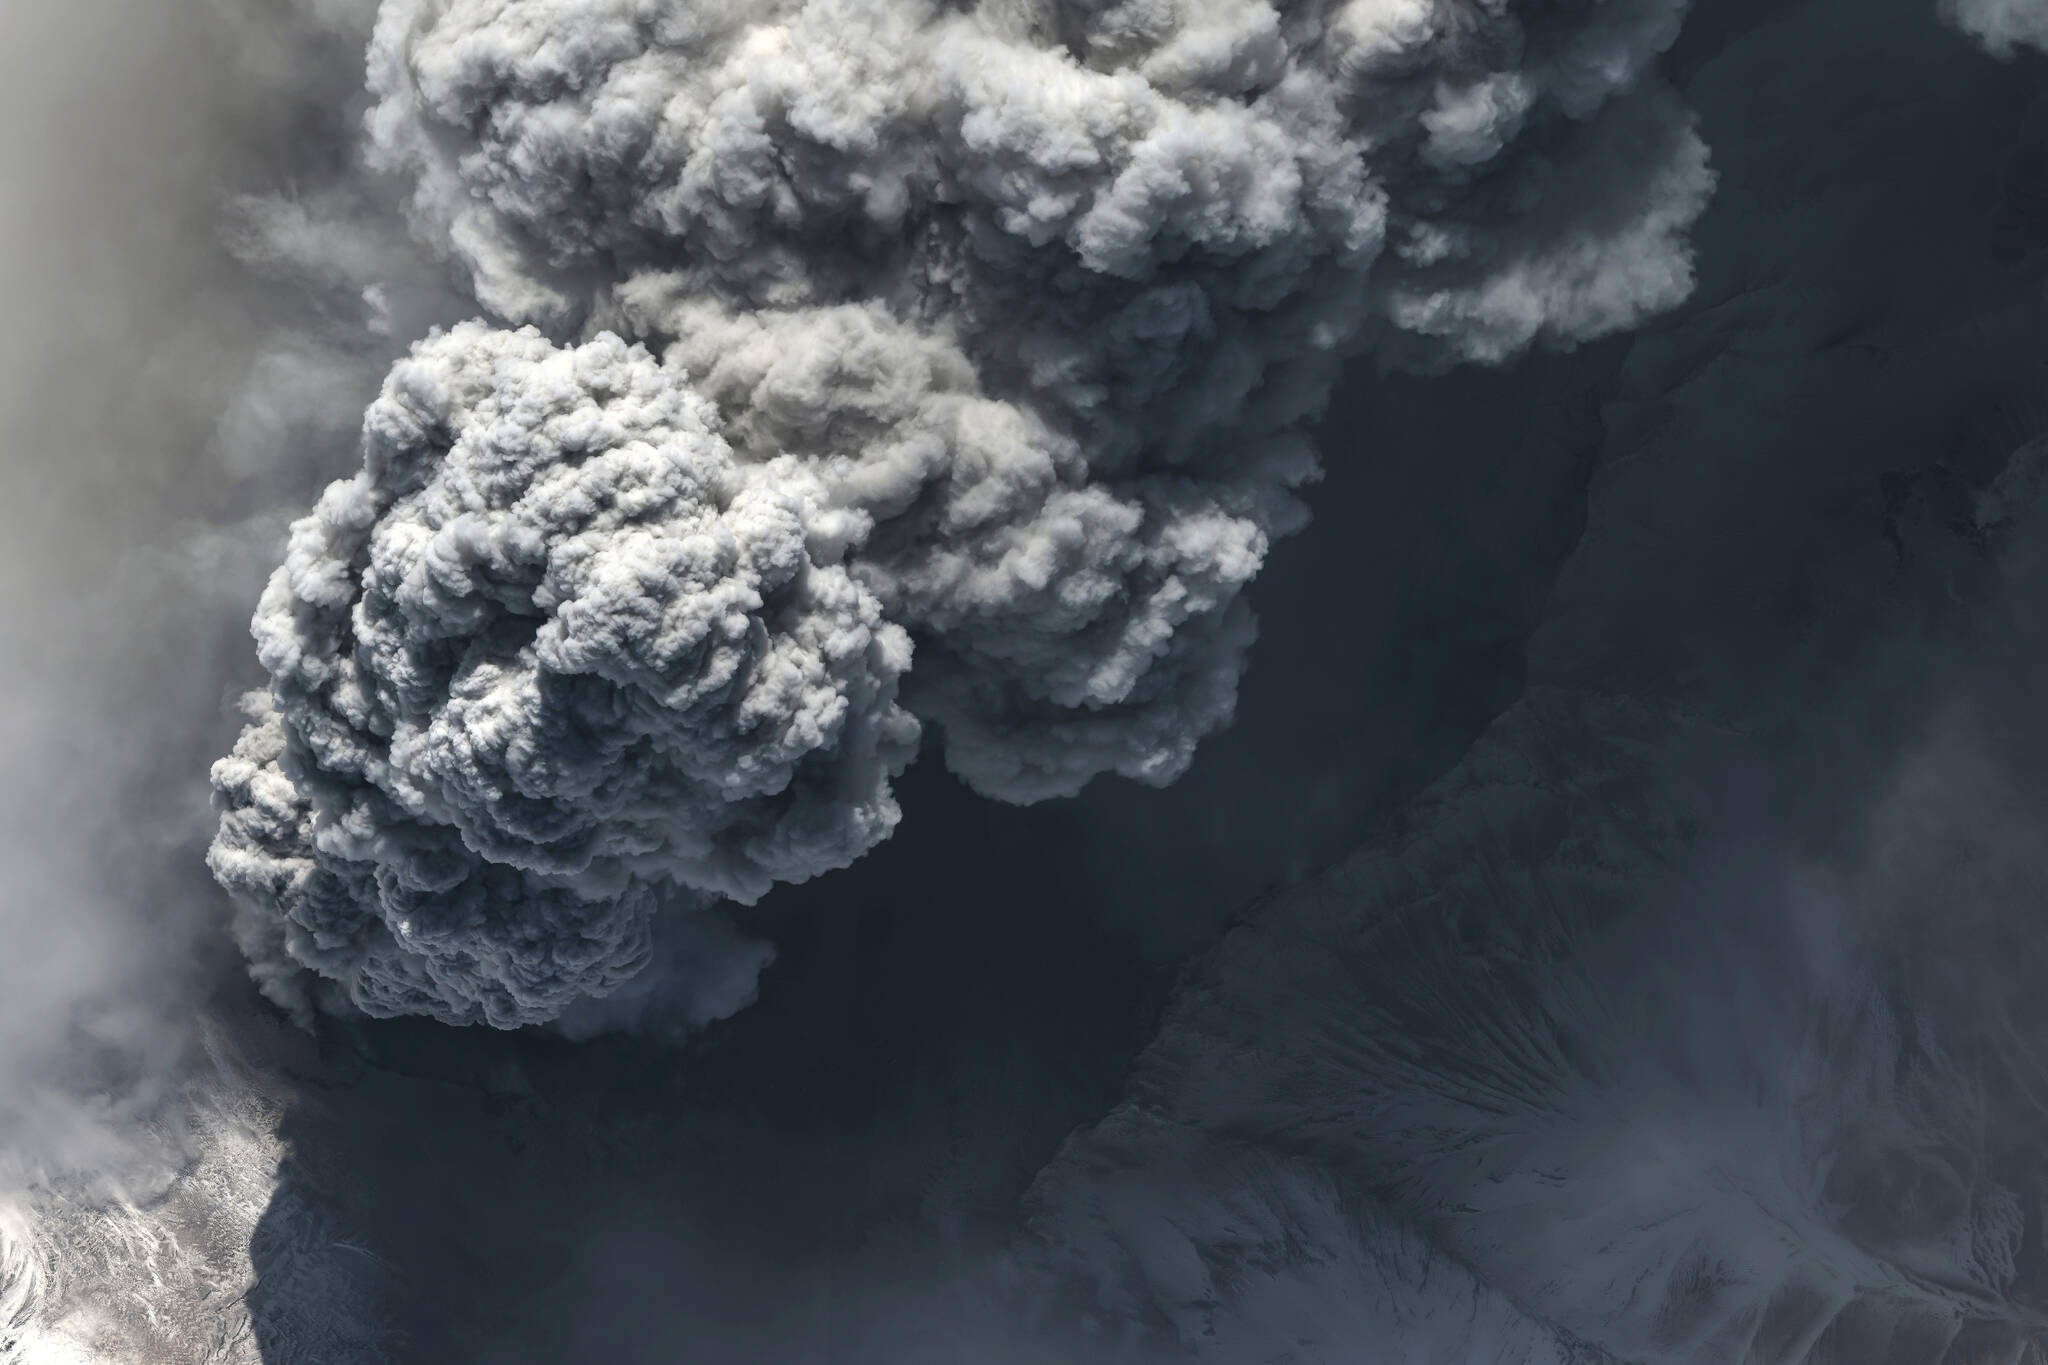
{"points": [[552, 648], [988, 333]]}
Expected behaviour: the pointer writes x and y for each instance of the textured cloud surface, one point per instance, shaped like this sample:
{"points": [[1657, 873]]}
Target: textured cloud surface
{"points": [[549, 653], [987, 334]]}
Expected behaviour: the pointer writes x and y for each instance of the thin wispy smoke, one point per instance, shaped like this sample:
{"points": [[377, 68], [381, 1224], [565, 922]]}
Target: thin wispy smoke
{"points": [[125, 585], [117, 583], [2003, 26], [979, 351]]}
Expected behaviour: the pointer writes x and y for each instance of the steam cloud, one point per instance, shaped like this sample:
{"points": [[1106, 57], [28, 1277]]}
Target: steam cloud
{"points": [[987, 335]]}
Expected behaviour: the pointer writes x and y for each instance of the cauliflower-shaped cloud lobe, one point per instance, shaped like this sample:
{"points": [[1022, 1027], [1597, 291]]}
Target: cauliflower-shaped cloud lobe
{"points": [[548, 660], [992, 328]]}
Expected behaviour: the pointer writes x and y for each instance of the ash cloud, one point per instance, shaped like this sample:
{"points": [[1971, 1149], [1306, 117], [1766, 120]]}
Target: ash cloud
{"points": [[530, 679], [134, 330], [1790, 399], [859, 368]]}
